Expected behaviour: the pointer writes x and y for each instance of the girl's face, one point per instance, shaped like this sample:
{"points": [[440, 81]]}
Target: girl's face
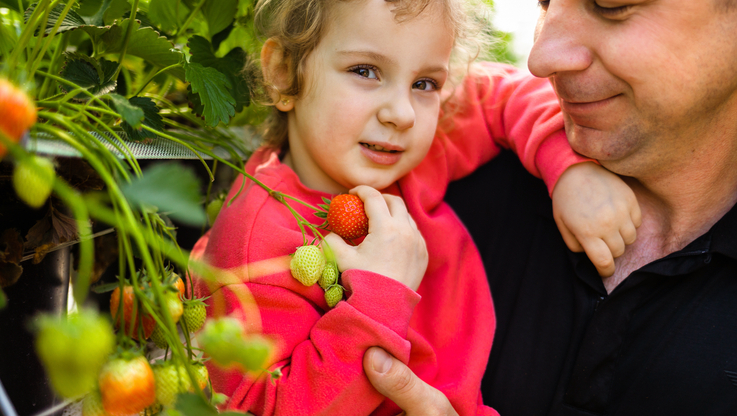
{"points": [[370, 103]]}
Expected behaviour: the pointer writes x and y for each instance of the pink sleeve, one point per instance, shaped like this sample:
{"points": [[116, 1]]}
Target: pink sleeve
{"points": [[321, 356], [499, 107]]}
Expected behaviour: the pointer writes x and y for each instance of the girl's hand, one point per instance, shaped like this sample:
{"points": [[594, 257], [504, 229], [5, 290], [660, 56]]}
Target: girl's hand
{"points": [[596, 212], [393, 247]]}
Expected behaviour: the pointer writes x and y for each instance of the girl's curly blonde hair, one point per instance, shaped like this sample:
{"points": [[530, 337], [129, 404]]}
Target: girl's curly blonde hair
{"points": [[299, 25]]}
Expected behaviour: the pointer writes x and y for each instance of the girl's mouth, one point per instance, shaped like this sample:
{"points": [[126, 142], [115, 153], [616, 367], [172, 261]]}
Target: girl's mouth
{"points": [[380, 154], [378, 148]]}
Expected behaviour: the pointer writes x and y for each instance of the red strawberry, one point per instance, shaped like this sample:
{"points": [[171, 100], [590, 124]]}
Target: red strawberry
{"points": [[346, 217], [129, 318], [18, 112]]}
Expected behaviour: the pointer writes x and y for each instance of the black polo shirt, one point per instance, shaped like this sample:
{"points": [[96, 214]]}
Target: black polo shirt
{"points": [[664, 342]]}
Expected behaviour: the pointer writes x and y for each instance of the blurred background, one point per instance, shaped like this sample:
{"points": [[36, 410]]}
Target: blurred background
{"points": [[517, 17]]}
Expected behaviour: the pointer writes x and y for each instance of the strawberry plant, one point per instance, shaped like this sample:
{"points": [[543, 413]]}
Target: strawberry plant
{"points": [[103, 79]]}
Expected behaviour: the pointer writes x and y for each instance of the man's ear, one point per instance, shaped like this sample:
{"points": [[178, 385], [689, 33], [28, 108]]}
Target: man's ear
{"points": [[276, 73]]}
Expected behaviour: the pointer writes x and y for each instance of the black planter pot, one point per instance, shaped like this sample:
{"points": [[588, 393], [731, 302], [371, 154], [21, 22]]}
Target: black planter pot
{"points": [[41, 288]]}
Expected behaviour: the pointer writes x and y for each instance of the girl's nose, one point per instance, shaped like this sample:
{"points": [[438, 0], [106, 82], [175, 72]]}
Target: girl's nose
{"points": [[398, 111], [559, 42]]}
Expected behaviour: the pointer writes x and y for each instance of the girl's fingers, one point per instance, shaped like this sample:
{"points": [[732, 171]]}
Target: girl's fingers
{"points": [[636, 214], [374, 203], [571, 241], [616, 244], [396, 205], [628, 233], [342, 251], [601, 256]]}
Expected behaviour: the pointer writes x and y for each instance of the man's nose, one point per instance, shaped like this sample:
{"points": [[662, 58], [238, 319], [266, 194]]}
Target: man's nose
{"points": [[398, 110], [560, 40]]}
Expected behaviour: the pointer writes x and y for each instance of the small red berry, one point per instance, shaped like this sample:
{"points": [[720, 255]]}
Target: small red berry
{"points": [[347, 218]]}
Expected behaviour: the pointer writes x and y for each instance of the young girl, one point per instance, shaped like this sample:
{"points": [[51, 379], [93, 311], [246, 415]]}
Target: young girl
{"points": [[357, 91]]}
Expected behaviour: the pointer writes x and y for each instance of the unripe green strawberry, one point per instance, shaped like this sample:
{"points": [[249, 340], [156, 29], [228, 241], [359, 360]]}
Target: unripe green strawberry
{"points": [[171, 379], [203, 377], [158, 338], [73, 350], [333, 295], [174, 305], [33, 179], [213, 209], [224, 341], [329, 276], [307, 264], [194, 315], [92, 404]]}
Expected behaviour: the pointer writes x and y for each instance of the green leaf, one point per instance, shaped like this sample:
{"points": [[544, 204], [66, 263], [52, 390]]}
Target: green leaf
{"points": [[10, 4], [219, 14], [92, 11], [231, 65], [168, 14], [3, 299], [85, 72], [8, 39], [151, 118], [144, 43], [213, 89], [71, 21], [117, 9], [130, 113], [169, 187]]}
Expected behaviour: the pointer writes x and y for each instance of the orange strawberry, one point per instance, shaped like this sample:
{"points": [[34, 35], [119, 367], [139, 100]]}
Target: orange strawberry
{"points": [[130, 320], [127, 386], [18, 112]]}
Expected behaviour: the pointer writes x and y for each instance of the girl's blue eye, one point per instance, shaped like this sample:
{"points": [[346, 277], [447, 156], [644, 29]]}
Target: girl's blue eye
{"points": [[364, 71], [425, 85]]}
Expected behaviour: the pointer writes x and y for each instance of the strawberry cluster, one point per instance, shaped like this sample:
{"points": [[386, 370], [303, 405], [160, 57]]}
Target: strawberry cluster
{"points": [[309, 265]]}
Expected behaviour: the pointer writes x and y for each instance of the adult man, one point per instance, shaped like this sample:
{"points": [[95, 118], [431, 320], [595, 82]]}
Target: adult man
{"points": [[649, 88]]}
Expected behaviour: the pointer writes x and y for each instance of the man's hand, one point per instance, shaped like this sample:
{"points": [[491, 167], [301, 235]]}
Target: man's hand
{"points": [[399, 384]]}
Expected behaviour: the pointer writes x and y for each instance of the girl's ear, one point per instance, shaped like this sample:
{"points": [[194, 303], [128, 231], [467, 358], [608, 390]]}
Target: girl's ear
{"points": [[276, 73]]}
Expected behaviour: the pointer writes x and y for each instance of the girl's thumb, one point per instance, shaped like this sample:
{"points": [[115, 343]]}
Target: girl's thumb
{"points": [[337, 250]]}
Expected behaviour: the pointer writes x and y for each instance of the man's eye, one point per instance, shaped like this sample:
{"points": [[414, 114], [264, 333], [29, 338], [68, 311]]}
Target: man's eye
{"points": [[425, 85], [364, 71], [611, 11]]}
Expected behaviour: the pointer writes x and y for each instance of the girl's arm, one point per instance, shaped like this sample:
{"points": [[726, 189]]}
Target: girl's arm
{"points": [[500, 107]]}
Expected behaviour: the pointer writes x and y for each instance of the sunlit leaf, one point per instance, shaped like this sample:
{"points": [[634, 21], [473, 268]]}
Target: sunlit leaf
{"points": [[219, 14], [170, 187], [71, 21], [231, 65], [168, 15], [212, 86], [128, 112], [151, 118]]}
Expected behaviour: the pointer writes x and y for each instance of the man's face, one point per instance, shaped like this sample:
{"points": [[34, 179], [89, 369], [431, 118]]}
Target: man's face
{"points": [[640, 81]]}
